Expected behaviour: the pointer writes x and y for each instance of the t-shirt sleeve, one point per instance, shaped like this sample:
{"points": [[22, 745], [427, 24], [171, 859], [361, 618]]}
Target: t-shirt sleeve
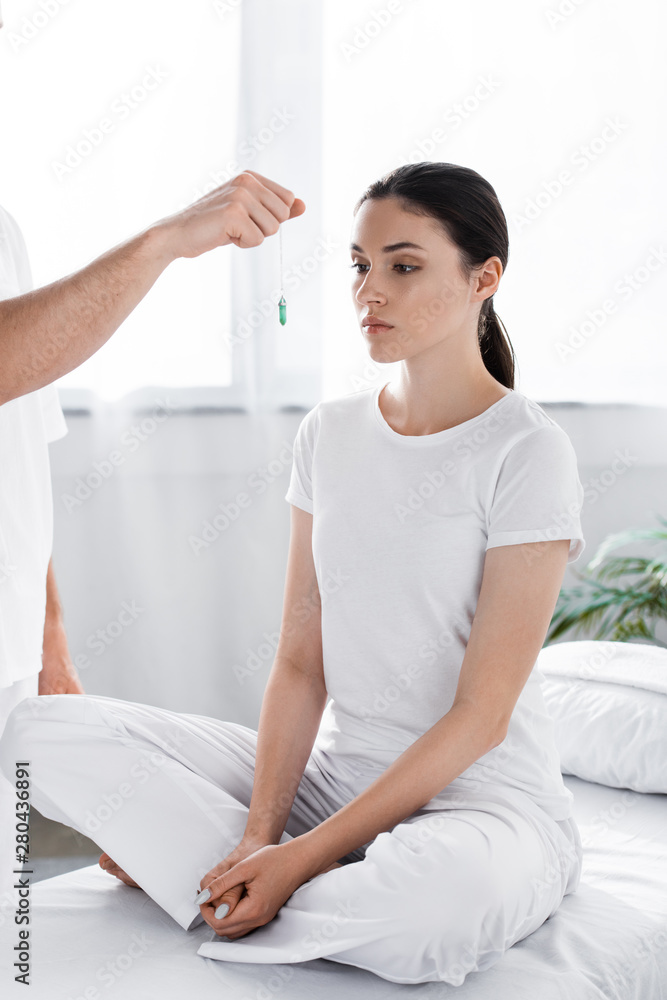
{"points": [[14, 256], [300, 490], [538, 495], [55, 426]]}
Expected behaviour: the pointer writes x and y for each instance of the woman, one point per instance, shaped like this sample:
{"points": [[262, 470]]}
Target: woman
{"points": [[416, 824]]}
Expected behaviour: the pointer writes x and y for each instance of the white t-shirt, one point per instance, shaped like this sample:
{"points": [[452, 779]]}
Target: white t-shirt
{"points": [[401, 524], [27, 424]]}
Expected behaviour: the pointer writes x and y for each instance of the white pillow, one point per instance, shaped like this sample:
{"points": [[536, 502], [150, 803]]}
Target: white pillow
{"points": [[608, 701]]}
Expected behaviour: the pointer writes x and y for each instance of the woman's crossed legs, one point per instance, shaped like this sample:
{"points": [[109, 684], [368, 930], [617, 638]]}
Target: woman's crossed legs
{"points": [[166, 795]]}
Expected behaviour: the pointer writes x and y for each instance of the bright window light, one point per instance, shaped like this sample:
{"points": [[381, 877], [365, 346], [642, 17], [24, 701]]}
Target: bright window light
{"points": [[120, 114]]}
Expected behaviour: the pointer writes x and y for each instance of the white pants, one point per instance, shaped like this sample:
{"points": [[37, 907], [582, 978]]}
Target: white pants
{"points": [[9, 698], [444, 893]]}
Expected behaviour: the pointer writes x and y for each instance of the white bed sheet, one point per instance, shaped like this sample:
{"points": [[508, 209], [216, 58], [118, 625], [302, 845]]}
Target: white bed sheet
{"points": [[94, 938]]}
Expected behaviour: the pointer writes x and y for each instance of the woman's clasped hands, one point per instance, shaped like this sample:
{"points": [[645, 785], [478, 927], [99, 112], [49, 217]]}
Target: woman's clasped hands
{"points": [[247, 888]]}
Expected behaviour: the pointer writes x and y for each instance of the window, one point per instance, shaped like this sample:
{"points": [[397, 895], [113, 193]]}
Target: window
{"points": [[559, 112], [120, 114]]}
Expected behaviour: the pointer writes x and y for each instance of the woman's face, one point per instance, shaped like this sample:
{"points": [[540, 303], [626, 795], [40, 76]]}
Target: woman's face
{"points": [[419, 290]]}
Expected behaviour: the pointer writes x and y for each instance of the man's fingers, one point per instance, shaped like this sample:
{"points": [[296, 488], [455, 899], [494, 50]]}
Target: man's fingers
{"points": [[283, 193], [298, 208], [275, 198]]}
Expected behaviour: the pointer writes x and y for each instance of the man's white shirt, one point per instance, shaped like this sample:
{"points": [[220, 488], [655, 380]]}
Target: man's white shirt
{"points": [[27, 425]]}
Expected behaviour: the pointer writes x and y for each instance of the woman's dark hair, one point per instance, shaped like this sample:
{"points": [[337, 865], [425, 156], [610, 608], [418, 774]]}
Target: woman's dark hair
{"points": [[467, 208]]}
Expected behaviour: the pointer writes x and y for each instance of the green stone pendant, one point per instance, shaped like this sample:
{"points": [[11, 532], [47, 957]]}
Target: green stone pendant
{"points": [[282, 310]]}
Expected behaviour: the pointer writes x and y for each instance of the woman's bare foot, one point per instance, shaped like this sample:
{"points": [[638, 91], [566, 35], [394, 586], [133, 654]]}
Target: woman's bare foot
{"points": [[110, 866]]}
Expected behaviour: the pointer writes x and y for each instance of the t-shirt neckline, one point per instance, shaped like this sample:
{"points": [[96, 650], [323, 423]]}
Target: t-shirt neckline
{"points": [[438, 436]]}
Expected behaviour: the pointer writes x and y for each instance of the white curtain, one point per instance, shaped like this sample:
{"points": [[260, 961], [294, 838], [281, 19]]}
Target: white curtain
{"points": [[277, 366]]}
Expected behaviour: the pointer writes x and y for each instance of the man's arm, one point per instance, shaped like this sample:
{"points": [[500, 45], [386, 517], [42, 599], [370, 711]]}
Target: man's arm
{"points": [[58, 674], [48, 332]]}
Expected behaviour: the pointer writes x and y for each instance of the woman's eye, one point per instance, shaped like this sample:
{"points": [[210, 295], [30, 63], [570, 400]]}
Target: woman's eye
{"points": [[410, 267]]}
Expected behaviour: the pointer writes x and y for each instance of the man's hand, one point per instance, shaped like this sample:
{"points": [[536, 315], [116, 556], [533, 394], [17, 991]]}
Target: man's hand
{"points": [[58, 674], [243, 211], [50, 331]]}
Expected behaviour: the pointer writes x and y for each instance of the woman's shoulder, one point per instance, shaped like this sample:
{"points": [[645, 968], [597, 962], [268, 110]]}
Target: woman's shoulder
{"points": [[334, 413], [528, 416], [343, 407], [348, 401], [533, 435]]}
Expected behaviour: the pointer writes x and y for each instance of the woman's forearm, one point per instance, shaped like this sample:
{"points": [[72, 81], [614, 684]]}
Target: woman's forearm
{"points": [[447, 749], [289, 719]]}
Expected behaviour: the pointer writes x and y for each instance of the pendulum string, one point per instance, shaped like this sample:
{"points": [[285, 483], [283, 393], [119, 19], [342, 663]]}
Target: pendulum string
{"points": [[282, 305]]}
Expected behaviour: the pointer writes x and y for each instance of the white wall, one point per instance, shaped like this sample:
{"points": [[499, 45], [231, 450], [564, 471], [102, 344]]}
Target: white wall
{"points": [[198, 616]]}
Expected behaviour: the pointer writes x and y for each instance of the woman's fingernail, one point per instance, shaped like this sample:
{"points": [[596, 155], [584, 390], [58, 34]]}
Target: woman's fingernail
{"points": [[203, 896], [222, 911]]}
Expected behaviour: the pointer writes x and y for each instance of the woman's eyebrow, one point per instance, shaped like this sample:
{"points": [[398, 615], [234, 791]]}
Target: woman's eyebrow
{"points": [[404, 245]]}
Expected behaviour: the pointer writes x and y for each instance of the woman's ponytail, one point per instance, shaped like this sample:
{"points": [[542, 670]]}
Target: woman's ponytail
{"points": [[494, 344]]}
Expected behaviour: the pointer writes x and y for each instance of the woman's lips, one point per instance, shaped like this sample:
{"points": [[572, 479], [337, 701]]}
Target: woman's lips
{"points": [[377, 328]]}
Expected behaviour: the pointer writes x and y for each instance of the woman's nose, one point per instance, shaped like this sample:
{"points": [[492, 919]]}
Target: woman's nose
{"points": [[369, 291]]}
